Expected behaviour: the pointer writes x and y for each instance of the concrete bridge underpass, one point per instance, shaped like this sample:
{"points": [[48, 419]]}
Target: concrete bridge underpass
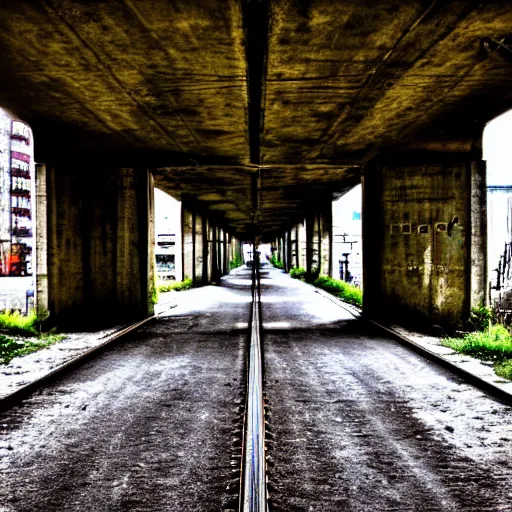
{"points": [[256, 115]]}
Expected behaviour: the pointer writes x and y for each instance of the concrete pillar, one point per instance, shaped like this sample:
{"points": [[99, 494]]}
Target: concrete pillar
{"points": [[99, 245], [295, 247], [478, 208], [424, 243], [317, 243], [215, 272], [325, 242], [188, 223], [41, 238], [301, 244], [225, 266], [229, 251], [205, 246], [288, 251], [199, 247], [210, 251], [310, 232]]}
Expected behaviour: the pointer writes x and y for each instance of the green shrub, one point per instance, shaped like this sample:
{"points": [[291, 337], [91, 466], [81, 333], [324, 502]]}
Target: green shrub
{"points": [[504, 369], [340, 289], [493, 344], [13, 322], [481, 317], [181, 285], [235, 262], [274, 260], [298, 273]]}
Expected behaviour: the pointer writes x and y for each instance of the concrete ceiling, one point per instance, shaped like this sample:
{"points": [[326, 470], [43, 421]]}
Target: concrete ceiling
{"points": [[254, 109]]}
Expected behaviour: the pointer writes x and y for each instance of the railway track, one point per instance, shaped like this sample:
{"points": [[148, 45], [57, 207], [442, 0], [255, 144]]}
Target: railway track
{"points": [[253, 494], [358, 422]]}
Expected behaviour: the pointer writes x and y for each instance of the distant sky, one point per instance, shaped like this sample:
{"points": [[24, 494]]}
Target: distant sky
{"points": [[167, 213], [497, 149]]}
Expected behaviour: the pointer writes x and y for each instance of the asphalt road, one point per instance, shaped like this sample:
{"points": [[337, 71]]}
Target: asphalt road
{"points": [[361, 423], [148, 425]]}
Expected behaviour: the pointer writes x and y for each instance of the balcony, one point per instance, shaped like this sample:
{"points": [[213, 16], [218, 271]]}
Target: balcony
{"points": [[20, 173], [20, 192], [21, 212], [21, 137], [22, 232]]}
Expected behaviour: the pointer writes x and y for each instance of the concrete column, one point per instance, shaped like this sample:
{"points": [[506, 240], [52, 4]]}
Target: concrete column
{"points": [[205, 250], [100, 245], [199, 246], [325, 243], [317, 243], [219, 251], [187, 240], [478, 209], [287, 250], [301, 244], [210, 251], [424, 241], [229, 251], [41, 238], [215, 273], [151, 262], [225, 268], [310, 232], [295, 247]]}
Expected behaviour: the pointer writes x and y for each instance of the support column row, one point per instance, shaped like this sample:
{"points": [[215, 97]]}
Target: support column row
{"points": [[207, 248], [308, 244]]}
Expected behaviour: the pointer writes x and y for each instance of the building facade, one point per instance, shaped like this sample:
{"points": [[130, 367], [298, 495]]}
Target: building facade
{"points": [[16, 192]]}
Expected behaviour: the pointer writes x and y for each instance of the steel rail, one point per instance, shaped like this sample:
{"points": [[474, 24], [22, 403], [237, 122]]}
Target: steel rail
{"points": [[254, 487]]}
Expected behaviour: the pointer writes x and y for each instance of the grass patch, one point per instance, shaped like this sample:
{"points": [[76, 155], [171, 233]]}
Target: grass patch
{"points": [[21, 335], [177, 287], [494, 344], [340, 289], [13, 322], [10, 348], [275, 261], [298, 273]]}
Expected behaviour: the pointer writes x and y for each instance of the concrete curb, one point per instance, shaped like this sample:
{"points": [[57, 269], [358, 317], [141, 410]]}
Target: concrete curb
{"points": [[470, 377], [8, 401]]}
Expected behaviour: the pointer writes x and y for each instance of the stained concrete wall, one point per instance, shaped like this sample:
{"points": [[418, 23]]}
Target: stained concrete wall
{"points": [[424, 241], [99, 258]]}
